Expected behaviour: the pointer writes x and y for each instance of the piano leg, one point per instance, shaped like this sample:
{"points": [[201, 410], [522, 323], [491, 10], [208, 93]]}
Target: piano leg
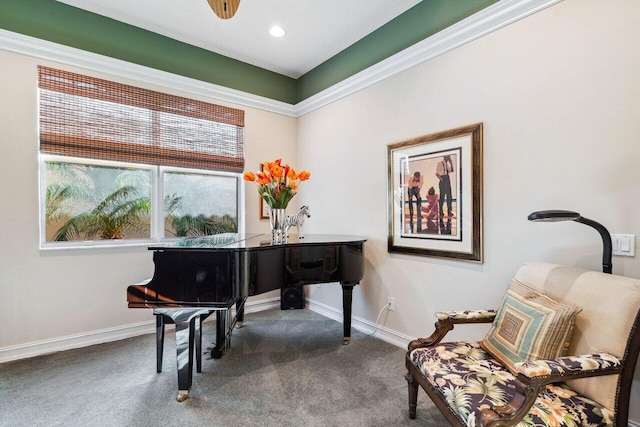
{"points": [[240, 312], [225, 322], [221, 334], [347, 291]]}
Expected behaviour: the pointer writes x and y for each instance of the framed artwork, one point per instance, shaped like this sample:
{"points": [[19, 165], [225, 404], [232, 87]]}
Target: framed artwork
{"points": [[435, 194], [264, 208]]}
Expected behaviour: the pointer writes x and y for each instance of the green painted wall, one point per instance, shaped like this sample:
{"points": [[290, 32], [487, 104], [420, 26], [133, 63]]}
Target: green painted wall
{"points": [[60, 23], [416, 24]]}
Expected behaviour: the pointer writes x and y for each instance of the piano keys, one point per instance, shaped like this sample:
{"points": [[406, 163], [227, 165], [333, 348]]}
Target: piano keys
{"points": [[195, 277]]}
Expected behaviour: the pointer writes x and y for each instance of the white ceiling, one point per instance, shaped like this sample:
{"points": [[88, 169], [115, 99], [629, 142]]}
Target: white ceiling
{"points": [[316, 30]]}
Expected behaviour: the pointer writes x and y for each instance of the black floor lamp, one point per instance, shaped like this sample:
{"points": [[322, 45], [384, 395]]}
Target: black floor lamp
{"points": [[557, 215]]}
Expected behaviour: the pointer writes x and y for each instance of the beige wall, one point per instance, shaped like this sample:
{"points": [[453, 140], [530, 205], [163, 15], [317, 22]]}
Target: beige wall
{"points": [[78, 295], [559, 96]]}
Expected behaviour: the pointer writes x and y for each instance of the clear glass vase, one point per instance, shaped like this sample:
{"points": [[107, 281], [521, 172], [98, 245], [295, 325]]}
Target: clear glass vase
{"points": [[277, 219]]}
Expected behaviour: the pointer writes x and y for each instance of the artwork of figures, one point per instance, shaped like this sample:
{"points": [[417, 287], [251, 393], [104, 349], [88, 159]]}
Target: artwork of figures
{"points": [[435, 195], [431, 200]]}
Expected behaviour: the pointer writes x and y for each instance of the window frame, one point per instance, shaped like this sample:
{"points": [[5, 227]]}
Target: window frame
{"points": [[157, 208]]}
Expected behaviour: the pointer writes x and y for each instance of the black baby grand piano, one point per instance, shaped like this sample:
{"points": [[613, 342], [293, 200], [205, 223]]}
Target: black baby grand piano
{"points": [[197, 276]]}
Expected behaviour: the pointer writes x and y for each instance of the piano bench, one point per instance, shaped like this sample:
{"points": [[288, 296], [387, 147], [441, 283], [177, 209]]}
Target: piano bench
{"points": [[161, 320]]}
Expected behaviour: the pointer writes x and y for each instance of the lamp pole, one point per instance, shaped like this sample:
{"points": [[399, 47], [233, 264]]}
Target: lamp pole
{"points": [[559, 215], [606, 242]]}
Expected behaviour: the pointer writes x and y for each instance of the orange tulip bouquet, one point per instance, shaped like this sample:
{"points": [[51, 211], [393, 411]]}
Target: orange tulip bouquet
{"points": [[277, 182]]}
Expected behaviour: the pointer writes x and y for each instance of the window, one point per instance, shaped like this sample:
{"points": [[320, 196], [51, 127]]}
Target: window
{"points": [[85, 202], [198, 204], [124, 165]]}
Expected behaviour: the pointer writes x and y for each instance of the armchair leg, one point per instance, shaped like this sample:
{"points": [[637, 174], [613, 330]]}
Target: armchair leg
{"points": [[413, 395]]}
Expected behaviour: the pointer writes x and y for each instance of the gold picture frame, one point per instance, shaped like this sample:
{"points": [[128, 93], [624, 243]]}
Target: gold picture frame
{"points": [[435, 194], [264, 209]]}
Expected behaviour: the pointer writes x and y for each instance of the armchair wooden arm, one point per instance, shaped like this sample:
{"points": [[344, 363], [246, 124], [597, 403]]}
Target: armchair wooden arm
{"points": [[445, 322], [533, 377]]}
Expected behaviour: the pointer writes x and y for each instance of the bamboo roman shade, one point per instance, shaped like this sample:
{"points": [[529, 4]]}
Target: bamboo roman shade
{"points": [[84, 116]]}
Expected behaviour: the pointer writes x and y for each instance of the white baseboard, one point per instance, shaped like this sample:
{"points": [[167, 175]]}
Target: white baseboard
{"points": [[369, 328], [69, 342], [101, 336]]}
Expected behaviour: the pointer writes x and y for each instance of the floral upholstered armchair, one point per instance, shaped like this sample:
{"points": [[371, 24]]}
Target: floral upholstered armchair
{"points": [[561, 351]]}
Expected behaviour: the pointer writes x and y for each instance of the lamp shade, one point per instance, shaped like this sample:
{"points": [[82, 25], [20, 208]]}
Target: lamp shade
{"points": [[553, 216]]}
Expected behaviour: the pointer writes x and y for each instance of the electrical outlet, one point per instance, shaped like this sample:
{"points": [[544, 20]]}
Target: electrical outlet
{"points": [[391, 303]]}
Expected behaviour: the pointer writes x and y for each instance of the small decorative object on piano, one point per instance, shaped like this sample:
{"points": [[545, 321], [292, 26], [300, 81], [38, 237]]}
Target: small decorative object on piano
{"points": [[277, 184], [297, 220]]}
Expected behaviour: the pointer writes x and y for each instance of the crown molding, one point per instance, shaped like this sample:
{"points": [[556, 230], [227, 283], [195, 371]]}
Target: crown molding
{"points": [[38, 48], [490, 19]]}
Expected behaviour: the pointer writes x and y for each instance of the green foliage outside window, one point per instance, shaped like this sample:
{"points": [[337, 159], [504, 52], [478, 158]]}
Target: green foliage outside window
{"points": [[88, 202], [199, 205]]}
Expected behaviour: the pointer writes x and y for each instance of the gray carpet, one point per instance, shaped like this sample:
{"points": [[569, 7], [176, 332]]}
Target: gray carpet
{"points": [[285, 368]]}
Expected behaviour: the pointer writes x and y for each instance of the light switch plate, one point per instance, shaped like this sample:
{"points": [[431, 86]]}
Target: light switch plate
{"points": [[623, 244]]}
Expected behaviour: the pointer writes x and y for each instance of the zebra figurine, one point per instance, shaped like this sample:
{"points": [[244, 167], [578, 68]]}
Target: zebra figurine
{"points": [[296, 220]]}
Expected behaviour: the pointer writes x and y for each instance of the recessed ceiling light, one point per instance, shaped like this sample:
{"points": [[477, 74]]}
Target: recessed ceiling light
{"points": [[276, 31]]}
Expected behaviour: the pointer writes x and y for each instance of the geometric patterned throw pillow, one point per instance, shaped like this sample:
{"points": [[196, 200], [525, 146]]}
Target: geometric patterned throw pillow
{"points": [[529, 326]]}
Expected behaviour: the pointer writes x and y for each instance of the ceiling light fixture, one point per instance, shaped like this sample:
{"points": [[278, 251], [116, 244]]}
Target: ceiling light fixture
{"points": [[276, 31], [225, 9]]}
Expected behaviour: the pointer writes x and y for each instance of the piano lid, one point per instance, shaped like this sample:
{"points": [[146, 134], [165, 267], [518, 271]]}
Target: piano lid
{"points": [[208, 242], [251, 240]]}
